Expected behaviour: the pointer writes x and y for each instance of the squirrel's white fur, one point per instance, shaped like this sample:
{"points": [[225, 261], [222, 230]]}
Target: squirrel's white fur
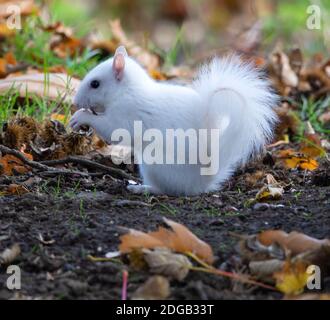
{"points": [[228, 94]]}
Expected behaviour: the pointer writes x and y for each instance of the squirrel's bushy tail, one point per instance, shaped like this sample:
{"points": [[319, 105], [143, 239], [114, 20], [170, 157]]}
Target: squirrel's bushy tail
{"points": [[240, 103]]}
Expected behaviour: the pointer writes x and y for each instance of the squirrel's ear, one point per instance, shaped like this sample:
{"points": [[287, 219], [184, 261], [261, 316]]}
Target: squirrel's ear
{"points": [[121, 50], [118, 65]]}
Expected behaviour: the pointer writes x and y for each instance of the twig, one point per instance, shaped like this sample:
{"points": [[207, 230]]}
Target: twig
{"points": [[234, 276], [92, 164], [17, 68], [103, 259], [38, 165], [130, 203], [124, 286], [210, 269]]}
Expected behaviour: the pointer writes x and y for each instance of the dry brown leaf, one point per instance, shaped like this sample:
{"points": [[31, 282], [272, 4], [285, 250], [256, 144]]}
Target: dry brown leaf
{"points": [[176, 237], [249, 40], [251, 249], [59, 28], [10, 254], [281, 63], [294, 241], [163, 261], [288, 122], [145, 57], [67, 47], [52, 86], [155, 288], [272, 191], [296, 60]]}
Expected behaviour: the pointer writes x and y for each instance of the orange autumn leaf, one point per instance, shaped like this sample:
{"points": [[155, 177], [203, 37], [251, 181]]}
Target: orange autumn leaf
{"points": [[294, 241], [7, 59], [10, 58], [9, 164], [175, 237], [292, 159], [157, 75], [59, 117]]}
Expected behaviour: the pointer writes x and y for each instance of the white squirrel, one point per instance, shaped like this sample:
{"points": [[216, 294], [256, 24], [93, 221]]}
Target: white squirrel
{"points": [[228, 94]]}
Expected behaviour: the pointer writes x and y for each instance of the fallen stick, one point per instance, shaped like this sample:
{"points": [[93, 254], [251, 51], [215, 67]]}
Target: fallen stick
{"points": [[92, 164], [38, 165]]}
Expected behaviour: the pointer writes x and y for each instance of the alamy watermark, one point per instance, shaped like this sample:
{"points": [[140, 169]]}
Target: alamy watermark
{"points": [[14, 277], [313, 280], [171, 146], [13, 20], [314, 18], [318, 19], [314, 277]]}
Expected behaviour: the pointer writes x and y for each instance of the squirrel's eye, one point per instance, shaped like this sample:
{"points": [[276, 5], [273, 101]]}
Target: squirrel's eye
{"points": [[95, 84]]}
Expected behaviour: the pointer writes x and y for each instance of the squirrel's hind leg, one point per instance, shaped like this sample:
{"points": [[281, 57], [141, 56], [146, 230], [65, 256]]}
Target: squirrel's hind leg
{"points": [[142, 188]]}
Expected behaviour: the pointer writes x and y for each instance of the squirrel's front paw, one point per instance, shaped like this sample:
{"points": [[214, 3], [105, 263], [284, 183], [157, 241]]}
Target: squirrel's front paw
{"points": [[141, 189], [80, 118]]}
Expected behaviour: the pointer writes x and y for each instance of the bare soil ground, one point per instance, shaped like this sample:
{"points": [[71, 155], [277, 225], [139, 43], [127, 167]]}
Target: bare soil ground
{"points": [[82, 219]]}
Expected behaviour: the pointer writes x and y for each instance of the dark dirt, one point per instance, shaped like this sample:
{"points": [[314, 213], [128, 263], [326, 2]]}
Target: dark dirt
{"points": [[82, 215]]}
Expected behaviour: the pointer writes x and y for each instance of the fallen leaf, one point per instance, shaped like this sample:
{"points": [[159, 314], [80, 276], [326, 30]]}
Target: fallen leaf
{"points": [[147, 59], [294, 241], [7, 61], [10, 254], [311, 144], [163, 261], [281, 63], [59, 117], [52, 86], [175, 237], [292, 279], [272, 191], [67, 47], [296, 60], [265, 269], [292, 160], [251, 249], [269, 193], [155, 288], [9, 164]]}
